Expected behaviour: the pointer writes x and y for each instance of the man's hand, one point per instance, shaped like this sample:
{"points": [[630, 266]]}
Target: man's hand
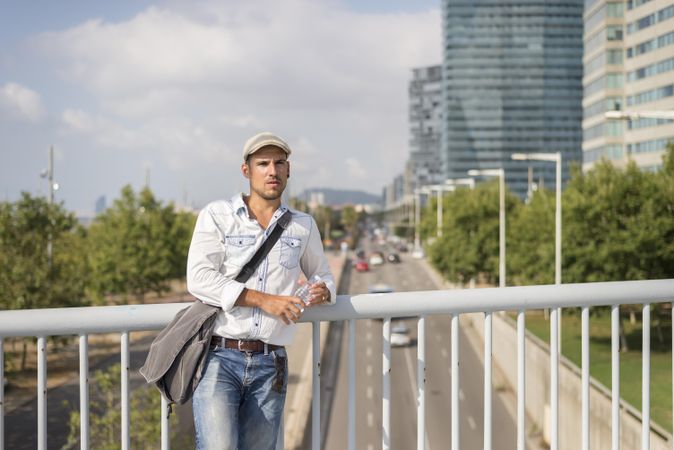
{"points": [[288, 309], [319, 293]]}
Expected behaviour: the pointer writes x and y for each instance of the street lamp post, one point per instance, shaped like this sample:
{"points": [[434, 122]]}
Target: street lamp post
{"points": [[417, 218], [49, 175], [557, 159]]}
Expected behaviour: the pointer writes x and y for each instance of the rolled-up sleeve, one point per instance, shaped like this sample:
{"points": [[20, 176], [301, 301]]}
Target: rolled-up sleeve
{"points": [[314, 262], [205, 257]]}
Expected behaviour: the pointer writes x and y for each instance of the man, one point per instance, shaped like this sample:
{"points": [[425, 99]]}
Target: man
{"points": [[238, 403]]}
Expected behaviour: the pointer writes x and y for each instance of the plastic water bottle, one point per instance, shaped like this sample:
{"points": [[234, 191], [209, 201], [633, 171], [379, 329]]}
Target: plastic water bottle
{"points": [[303, 291]]}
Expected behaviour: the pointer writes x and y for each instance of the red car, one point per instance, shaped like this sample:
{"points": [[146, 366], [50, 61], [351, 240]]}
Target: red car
{"points": [[362, 266]]}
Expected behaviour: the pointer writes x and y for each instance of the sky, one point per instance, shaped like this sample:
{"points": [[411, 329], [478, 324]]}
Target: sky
{"points": [[168, 91]]}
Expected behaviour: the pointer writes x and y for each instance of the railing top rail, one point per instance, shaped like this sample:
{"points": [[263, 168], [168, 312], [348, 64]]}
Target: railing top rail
{"points": [[108, 319]]}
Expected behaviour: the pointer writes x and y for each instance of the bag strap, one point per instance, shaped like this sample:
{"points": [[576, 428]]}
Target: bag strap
{"points": [[261, 253]]}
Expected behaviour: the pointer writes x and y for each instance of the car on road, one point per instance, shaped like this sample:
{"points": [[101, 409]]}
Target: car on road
{"points": [[393, 258], [361, 266], [380, 288], [400, 335], [376, 259], [418, 253]]}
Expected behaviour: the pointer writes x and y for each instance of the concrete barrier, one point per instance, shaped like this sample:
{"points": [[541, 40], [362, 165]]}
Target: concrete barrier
{"points": [[537, 373]]}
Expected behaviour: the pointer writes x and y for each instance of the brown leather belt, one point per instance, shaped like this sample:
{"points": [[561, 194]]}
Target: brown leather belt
{"points": [[243, 346]]}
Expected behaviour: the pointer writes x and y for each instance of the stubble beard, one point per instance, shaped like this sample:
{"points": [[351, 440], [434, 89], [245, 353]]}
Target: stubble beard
{"points": [[269, 195]]}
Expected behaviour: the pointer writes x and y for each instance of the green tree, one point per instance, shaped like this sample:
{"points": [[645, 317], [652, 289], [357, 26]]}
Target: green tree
{"points": [[349, 220], [29, 279], [138, 245], [531, 241], [469, 246], [615, 225]]}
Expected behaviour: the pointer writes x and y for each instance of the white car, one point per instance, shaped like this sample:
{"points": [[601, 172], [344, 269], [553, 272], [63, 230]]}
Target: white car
{"points": [[418, 253], [400, 335], [376, 260]]}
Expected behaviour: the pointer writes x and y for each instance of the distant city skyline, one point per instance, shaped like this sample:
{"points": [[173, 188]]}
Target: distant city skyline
{"points": [[119, 89]]}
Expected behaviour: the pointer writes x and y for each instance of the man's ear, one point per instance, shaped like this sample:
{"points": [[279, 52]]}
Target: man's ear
{"points": [[245, 170]]}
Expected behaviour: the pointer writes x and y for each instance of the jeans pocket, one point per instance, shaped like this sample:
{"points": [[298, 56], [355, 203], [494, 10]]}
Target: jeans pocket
{"points": [[290, 251]]}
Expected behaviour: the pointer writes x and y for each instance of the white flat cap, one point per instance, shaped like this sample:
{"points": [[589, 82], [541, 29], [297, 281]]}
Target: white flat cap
{"points": [[261, 140]]}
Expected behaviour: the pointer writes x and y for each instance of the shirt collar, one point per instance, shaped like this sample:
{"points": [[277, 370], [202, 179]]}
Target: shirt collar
{"points": [[240, 207]]}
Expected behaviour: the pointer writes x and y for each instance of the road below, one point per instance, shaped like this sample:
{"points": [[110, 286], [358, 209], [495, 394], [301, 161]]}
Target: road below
{"points": [[412, 275]]}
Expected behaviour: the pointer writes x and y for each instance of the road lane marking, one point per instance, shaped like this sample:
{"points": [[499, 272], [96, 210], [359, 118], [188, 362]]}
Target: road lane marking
{"points": [[368, 370], [461, 396], [438, 337], [444, 352], [370, 447], [368, 352], [369, 323], [370, 420], [369, 392], [368, 336], [471, 422]]}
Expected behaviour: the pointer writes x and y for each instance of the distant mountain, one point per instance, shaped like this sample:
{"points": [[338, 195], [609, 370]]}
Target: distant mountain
{"points": [[336, 197]]}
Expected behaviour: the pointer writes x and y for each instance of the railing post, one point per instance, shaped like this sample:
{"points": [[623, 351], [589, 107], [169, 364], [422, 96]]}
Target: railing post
{"points": [[316, 387], [165, 424], [646, 378], [554, 377], [386, 385], [124, 374], [487, 380], [615, 377], [585, 378], [421, 383], [521, 377], [41, 393], [455, 382], [84, 392], [2, 393], [352, 385]]}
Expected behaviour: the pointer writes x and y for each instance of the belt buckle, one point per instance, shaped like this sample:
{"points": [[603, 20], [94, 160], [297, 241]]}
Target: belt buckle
{"points": [[238, 345]]}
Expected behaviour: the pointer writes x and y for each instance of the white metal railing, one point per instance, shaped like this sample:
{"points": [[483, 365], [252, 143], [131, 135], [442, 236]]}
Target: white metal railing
{"points": [[126, 319]]}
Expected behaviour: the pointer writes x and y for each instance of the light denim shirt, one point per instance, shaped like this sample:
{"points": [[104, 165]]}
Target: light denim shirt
{"points": [[225, 239]]}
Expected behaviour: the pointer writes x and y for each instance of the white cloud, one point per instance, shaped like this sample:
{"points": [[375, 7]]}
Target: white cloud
{"points": [[21, 102], [187, 84]]}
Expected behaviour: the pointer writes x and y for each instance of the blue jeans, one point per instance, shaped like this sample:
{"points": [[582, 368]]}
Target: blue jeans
{"points": [[238, 404]]}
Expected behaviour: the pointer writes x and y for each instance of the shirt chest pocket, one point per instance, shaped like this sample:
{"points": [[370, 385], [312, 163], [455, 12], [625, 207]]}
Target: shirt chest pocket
{"points": [[290, 251], [238, 249]]}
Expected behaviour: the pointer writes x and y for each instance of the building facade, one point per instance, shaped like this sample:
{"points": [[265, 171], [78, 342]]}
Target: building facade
{"points": [[512, 83], [629, 68], [425, 122]]}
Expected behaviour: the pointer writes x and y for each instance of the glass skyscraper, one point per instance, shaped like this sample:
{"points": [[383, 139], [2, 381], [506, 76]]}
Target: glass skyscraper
{"points": [[512, 83]]}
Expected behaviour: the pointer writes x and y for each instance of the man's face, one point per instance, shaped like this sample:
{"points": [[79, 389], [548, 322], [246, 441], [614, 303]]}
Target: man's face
{"points": [[268, 171]]}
